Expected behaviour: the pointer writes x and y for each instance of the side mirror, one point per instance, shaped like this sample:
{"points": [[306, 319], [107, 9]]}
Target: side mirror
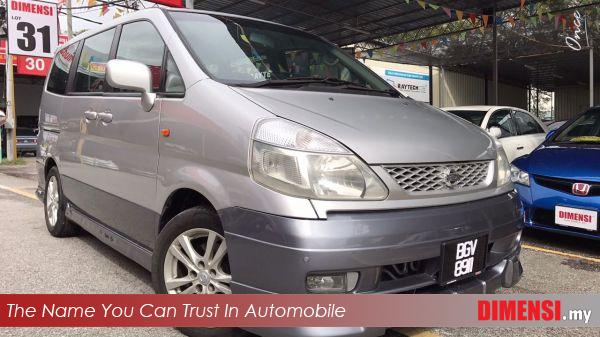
{"points": [[495, 132], [550, 134], [134, 76]]}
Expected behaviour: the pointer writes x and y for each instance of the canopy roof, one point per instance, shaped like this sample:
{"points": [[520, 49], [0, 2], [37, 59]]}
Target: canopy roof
{"points": [[346, 22]]}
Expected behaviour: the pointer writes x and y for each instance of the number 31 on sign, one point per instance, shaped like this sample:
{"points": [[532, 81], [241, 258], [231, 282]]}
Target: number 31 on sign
{"points": [[32, 28]]}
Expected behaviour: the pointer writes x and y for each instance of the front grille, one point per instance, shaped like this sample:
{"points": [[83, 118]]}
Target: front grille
{"points": [[565, 185], [441, 177]]}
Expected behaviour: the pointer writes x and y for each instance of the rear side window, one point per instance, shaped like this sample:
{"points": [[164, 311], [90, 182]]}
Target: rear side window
{"points": [[59, 74], [502, 119], [141, 42], [92, 62], [526, 124]]}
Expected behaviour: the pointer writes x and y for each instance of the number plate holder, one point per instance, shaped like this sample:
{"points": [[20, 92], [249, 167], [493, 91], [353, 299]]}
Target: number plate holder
{"points": [[472, 249]]}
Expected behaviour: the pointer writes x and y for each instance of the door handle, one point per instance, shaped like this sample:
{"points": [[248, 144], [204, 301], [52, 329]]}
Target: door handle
{"points": [[90, 115], [105, 117], [520, 147]]}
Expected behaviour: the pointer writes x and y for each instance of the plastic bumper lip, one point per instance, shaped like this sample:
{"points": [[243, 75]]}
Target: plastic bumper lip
{"points": [[273, 254], [505, 274]]}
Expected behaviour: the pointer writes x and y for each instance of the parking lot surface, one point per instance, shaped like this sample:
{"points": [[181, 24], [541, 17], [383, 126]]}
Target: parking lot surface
{"points": [[34, 262]]}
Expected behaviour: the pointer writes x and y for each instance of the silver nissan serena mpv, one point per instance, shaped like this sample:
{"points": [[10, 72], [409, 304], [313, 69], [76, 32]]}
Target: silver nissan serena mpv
{"points": [[233, 155]]}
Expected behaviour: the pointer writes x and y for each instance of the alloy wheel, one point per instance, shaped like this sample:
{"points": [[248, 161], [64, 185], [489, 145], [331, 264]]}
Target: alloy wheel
{"points": [[52, 201], [196, 263]]}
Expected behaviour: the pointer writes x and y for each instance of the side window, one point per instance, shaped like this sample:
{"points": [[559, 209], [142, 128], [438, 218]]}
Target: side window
{"points": [[141, 42], [92, 63], [526, 124], [173, 80], [502, 119], [59, 74]]}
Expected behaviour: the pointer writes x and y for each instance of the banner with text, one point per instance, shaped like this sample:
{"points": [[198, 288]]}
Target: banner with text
{"points": [[300, 310]]}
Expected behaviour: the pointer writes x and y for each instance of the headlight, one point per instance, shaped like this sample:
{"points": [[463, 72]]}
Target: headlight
{"points": [[503, 173], [519, 176], [298, 161]]}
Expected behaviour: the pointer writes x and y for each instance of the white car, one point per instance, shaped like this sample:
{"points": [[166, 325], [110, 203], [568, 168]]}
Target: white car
{"points": [[519, 131]]}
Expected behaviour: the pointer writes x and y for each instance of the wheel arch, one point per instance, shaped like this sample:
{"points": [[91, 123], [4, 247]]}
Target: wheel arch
{"points": [[48, 164], [180, 200]]}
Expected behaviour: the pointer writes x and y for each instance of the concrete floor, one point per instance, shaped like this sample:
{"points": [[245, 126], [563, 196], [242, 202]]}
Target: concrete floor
{"points": [[34, 262]]}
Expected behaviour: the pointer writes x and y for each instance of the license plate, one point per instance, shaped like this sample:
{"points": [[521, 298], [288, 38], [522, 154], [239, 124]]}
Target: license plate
{"points": [[576, 217], [462, 258]]}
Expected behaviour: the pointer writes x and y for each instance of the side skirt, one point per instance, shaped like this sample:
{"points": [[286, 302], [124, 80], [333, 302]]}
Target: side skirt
{"points": [[120, 243]]}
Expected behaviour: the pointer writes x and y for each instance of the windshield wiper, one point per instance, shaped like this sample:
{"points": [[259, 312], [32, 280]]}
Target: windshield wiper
{"points": [[340, 84], [390, 92]]}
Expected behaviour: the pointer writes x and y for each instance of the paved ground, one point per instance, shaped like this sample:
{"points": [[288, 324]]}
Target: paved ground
{"points": [[34, 262]]}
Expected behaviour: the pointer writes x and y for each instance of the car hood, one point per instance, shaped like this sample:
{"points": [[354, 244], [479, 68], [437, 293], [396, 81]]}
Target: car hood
{"points": [[567, 162], [381, 130]]}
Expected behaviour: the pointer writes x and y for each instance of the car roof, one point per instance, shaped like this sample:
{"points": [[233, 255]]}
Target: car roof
{"points": [[478, 107]]}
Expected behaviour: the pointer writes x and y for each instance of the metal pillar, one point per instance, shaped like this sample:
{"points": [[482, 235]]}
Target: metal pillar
{"points": [[495, 65], [189, 4], [69, 20], [431, 85], [591, 76], [11, 124]]}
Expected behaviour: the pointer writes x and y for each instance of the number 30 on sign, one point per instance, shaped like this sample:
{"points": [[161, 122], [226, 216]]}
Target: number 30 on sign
{"points": [[32, 28]]}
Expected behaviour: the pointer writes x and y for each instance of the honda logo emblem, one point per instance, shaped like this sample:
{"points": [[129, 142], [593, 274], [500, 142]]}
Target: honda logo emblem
{"points": [[581, 189]]}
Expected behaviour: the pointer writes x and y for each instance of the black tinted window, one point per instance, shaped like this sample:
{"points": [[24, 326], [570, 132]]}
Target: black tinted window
{"points": [[59, 74], [502, 119], [475, 117], [92, 63], [526, 124], [141, 42], [585, 129], [173, 80]]}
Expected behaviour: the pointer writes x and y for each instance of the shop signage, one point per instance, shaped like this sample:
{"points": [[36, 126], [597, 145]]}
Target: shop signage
{"points": [[580, 28], [32, 28], [170, 3], [411, 84], [30, 65]]}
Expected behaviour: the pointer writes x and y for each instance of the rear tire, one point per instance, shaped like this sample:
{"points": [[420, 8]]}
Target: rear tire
{"points": [[55, 205], [195, 236]]}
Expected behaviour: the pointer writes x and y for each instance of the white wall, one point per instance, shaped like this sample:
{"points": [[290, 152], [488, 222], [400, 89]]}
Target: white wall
{"points": [[570, 101]]}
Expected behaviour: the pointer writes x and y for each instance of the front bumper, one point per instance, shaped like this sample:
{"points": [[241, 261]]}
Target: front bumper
{"points": [[505, 274], [539, 203], [273, 254]]}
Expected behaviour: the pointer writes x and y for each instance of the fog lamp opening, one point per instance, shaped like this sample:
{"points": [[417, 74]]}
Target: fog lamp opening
{"points": [[331, 283]]}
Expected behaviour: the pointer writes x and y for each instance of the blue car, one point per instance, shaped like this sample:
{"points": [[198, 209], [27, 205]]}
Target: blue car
{"points": [[559, 182]]}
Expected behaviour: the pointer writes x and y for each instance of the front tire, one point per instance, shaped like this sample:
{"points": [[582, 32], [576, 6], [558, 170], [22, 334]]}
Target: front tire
{"points": [[55, 205], [190, 257]]}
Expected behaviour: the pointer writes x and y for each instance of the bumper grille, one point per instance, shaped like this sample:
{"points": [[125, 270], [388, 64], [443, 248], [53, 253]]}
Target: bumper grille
{"points": [[441, 177], [400, 270], [565, 185]]}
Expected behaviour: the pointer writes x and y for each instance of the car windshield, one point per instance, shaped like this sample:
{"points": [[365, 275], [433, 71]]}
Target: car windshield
{"points": [[244, 52], [473, 116], [585, 129]]}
